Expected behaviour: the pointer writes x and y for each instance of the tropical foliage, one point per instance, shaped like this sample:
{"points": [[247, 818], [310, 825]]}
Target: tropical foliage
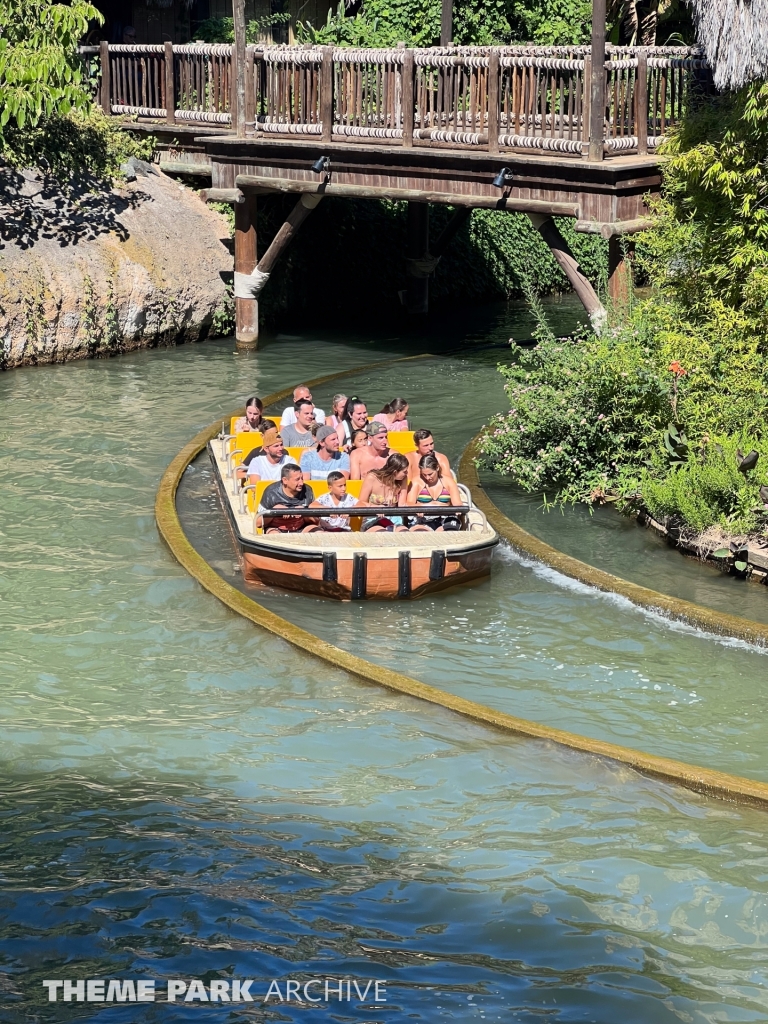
{"points": [[40, 71], [666, 403]]}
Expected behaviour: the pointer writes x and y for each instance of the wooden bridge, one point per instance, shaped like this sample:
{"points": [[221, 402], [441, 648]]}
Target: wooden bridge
{"points": [[555, 131]]}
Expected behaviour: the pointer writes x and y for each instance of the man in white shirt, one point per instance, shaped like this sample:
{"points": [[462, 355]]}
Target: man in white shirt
{"points": [[269, 464], [289, 413]]}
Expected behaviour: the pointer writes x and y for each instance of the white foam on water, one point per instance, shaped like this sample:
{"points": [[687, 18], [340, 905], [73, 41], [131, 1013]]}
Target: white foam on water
{"points": [[658, 616]]}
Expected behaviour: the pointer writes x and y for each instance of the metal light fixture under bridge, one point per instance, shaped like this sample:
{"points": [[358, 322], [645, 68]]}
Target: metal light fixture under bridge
{"points": [[322, 165], [504, 178]]}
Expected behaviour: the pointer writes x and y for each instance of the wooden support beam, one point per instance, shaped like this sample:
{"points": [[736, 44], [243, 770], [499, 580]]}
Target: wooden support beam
{"points": [[607, 229], [246, 308], [105, 99], [222, 195], [238, 69], [620, 283], [597, 85], [495, 202], [418, 259], [287, 232], [170, 85], [570, 267]]}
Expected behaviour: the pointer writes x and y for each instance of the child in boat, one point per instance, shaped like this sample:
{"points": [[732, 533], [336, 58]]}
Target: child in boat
{"points": [[336, 497], [394, 415], [359, 439]]}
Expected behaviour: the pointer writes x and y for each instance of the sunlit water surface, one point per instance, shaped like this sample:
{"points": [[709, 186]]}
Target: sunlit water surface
{"points": [[183, 795]]}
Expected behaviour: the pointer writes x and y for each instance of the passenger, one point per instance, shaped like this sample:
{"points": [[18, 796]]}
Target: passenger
{"points": [[337, 412], [299, 434], [432, 488], [252, 419], [387, 486], [359, 439], [289, 413], [336, 497], [425, 445], [266, 461], [363, 460], [355, 418], [317, 463], [290, 492], [393, 415]]}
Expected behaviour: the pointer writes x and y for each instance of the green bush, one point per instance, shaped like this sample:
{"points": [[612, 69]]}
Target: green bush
{"points": [[709, 490], [40, 70], [73, 144], [584, 415]]}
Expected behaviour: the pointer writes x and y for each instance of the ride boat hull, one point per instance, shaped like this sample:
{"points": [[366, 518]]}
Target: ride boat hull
{"points": [[354, 565], [367, 571]]}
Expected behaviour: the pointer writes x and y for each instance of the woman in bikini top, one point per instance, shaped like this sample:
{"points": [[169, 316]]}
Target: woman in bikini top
{"points": [[387, 487], [432, 489]]}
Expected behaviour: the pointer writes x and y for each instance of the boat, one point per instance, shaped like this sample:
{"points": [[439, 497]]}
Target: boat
{"points": [[352, 565]]}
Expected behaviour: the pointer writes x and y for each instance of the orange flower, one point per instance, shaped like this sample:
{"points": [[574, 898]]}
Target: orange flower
{"points": [[677, 369]]}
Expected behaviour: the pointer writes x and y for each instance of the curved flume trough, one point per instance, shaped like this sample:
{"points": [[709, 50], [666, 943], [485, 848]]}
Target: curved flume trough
{"points": [[702, 780]]}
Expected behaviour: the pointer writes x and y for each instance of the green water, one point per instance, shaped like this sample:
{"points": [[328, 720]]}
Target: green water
{"points": [[185, 796]]}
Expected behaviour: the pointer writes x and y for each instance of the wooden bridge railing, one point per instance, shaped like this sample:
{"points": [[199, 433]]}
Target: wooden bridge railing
{"points": [[490, 98]]}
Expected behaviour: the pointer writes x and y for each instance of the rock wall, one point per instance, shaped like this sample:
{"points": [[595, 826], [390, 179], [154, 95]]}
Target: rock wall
{"points": [[87, 270]]}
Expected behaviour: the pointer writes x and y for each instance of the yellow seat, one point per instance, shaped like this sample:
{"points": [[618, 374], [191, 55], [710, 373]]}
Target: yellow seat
{"points": [[242, 444], [401, 441], [294, 454]]}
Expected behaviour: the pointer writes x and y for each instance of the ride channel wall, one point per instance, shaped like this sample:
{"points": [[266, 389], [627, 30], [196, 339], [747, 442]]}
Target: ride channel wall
{"points": [[721, 785]]}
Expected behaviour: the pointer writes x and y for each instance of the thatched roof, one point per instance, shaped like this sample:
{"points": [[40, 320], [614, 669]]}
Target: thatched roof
{"points": [[734, 36]]}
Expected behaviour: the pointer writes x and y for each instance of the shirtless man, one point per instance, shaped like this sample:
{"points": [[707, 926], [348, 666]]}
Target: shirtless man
{"points": [[425, 445], [363, 460]]}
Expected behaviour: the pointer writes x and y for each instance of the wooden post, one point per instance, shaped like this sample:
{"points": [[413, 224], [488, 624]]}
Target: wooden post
{"points": [[407, 99], [641, 103], [326, 93], [570, 267], [170, 85], [446, 23], [250, 90], [597, 85], [586, 105], [238, 69], [494, 74], [417, 292], [620, 270], [106, 101], [247, 309]]}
